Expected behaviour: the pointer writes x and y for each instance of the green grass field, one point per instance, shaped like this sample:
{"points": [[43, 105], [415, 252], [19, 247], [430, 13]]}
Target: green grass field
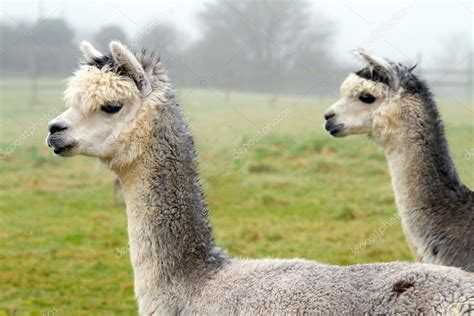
{"points": [[297, 192]]}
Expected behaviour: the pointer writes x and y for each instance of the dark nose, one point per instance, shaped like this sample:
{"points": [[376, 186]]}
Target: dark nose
{"points": [[329, 114], [56, 127]]}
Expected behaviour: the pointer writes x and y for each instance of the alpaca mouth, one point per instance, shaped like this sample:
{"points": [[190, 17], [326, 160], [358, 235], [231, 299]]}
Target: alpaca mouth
{"points": [[60, 147], [334, 129], [60, 151]]}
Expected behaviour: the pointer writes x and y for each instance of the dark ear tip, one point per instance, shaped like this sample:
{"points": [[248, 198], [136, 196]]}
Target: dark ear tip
{"points": [[412, 67]]}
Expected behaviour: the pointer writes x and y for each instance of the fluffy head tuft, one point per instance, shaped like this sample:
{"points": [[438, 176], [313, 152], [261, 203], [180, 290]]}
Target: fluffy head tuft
{"points": [[395, 75], [355, 84], [112, 77], [91, 87], [149, 60]]}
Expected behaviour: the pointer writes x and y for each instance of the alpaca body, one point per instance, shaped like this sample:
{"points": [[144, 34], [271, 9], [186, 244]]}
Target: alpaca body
{"points": [[394, 108], [177, 267], [282, 287]]}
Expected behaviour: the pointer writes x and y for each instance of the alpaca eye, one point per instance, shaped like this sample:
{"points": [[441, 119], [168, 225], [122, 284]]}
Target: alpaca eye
{"points": [[111, 107], [367, 98]]}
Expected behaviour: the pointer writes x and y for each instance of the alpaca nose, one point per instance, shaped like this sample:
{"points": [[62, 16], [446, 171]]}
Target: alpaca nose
{"points": [[56, 127], [329, 114]]}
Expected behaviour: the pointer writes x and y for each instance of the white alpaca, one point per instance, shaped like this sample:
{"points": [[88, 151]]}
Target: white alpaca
{"points": [[122, 109], [390, 104]]}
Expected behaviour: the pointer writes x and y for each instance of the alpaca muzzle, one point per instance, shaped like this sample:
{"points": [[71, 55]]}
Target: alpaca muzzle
{"points": [[333, 129], [59, 145]]}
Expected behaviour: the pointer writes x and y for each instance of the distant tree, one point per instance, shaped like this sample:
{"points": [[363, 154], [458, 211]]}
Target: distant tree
{"points": [[15, 48], [53, 50], [261, 45], [456, 52], [168, 41], [456, 57], [160, 36], [107, 34], [44, 48]]}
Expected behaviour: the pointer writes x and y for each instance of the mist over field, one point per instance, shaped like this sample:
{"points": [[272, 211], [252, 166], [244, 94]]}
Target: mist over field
{"points": [[277, 47]]}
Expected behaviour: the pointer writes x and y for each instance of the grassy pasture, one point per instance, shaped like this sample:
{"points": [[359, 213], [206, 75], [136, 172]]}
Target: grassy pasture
{"points": [[294, 192]]}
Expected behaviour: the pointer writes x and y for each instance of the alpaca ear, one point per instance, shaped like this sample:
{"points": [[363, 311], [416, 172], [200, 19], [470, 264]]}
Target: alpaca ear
{"points": [[89, 52], [379, 64], [376, 62], [132, 67]]}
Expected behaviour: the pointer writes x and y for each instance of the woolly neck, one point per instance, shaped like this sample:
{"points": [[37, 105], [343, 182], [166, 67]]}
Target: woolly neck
{"points": [[418, 156], [169, 234]]}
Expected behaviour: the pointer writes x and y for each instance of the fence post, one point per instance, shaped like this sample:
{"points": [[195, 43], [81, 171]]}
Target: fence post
{"points": [[469, 83]]}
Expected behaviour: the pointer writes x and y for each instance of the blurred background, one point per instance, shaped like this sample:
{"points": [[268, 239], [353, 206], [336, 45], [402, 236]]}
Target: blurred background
{"points": [[254, 78]]}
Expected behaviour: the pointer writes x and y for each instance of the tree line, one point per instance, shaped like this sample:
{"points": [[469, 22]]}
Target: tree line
{"points": [[271, 46]]}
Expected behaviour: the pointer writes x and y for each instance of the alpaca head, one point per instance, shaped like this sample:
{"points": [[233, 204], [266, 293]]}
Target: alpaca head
{"points": [[106, 100], [372, 99]]}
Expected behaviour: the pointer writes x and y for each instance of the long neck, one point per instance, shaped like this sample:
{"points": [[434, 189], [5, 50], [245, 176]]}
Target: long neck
{"points": [[169, 235], [420, 165]]}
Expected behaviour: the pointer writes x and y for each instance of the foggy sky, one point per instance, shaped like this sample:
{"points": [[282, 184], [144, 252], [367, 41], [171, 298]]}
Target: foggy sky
{"points": [[400, 30]]}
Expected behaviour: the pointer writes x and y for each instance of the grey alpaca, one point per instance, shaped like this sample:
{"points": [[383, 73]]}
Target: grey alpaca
{"points": [[122, 109], [393, 107]]}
